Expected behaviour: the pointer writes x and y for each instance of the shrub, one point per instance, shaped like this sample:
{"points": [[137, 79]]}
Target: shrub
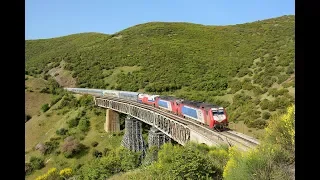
{"points": [[94, 144], [151, 156], [96, 153], [73, 122], [36, 162], [256, 101], [71, 146], [266, 115], [45, 90], [57, 152], [288, 84], [28, 117], [117, 160], [45, 107], [55, 100], [189, 162], [51, 146], [264, 104], [259, 123], [86, 100], [66, 173], [84, 124], [28, 168], [62, 131], [105, 151], [52, 174], [272, 106], [282, 78], [272, 159], [96, 111]]}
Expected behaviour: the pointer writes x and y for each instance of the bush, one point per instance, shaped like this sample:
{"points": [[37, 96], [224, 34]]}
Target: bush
{"points": [[57, 152], [288, 84], [259, 123], [36, 162], [266, 115], [52, 174], [45, 107], [45, 90], [151, 156], [256, 101], [71, 146], [96, 111], [273, 158], [257, 90], [96, 153], [105, 151], [84, 124], [27, 168], [51, 146], [94, 144], [282, 78], [86, 100], [117, 160], [55, 100], [189, 162], [62, 131], [272, 106], [28, 117], [265, 104], [73, 122]]}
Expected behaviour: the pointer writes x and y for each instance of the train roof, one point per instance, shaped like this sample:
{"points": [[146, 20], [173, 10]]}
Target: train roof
{"points": [[168, 97], [199, 104]]}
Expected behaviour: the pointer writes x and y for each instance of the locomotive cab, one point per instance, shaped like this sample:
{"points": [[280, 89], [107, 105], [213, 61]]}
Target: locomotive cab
{"points": [[220, 117]]}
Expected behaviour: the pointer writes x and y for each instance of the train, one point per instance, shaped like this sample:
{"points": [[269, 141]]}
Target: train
{"points": [[212, 116]]}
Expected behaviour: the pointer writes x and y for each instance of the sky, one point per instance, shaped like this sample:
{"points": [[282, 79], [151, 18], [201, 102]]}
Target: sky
{"points": [[54, 18]]}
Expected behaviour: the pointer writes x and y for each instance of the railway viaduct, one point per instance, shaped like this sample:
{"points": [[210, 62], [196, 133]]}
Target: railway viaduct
{"points": [[164, 127]]}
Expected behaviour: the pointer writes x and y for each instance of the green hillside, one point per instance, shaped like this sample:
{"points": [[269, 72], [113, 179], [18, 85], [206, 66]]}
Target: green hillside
{"points": [[248, 68]]}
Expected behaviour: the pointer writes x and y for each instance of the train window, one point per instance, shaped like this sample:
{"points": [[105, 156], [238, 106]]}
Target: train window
{"points": [[219, 112]]}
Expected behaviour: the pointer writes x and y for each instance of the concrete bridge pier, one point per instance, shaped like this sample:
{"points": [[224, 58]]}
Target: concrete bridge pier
{"points": [[157, 138], [132, 138], [112, 123]]}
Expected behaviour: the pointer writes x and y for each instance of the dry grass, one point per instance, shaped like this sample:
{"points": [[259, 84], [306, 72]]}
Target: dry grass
{"points": [[34, 101], [63, 77], [35, 84], [242, 128]]}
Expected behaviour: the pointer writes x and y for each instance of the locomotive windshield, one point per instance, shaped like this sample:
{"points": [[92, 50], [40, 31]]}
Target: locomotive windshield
{"points": [[218, 112]]}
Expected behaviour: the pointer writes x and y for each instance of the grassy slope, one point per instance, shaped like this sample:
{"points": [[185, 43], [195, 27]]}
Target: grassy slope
{"points": [[49, 124], [34, 101], [33, 98], [189, 60]]}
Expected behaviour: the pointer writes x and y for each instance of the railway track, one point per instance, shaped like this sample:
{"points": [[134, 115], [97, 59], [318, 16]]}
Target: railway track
{"points": [[229, 137]]}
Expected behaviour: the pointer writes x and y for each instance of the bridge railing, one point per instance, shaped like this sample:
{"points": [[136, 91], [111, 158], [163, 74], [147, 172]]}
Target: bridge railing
{"points": [[174, 129]]}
